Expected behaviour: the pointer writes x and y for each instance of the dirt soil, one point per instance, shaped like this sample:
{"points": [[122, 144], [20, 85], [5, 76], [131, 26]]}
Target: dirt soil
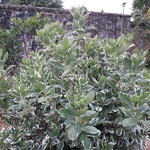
{"points": [[147, 144], [3, 123]]}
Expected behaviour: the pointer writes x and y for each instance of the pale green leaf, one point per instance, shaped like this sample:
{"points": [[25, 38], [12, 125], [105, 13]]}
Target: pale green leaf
{"points": [[76, 62], [41, 99], [89, 98], [135, 99], [143, 108], [76, 15], [90, 129], [32, 95], [102, 81], [57, 65], [86, 142], [70, 122], [109, 49], [5, 58], [74, 132], [70, 58], [146, 124], [81, 22], [127, 63], [120, 50], [126, 112], [129, 122], [125, 100], [119, 131], [67, 113], [65, 43], [145, 95], [89, 115], [80, 31], [87, 88], [82, 111]]}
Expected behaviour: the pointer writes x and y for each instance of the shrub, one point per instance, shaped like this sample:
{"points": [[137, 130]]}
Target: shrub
{"points": [[79, 93], [142, 30], [15, 40], [5, 82]]}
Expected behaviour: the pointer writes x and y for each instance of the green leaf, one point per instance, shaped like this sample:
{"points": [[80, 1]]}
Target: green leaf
{"points": [[81, 22], [88, 88], [146, 74], [146, 123], [32, 95], [109, 49], [70, 58], [40, 85], [145, 95], [70, 122], [76, 15], [86, 142], [127, 63], [102, 81], [67, 113], [5, 58], [74, 132], [89, 115], [129, 122], [57, 65], [41, 99], [135, 99], [90, 129], [2, 104], [30, 70], [120, 50], [89, 98], [126, 112], [76, 62], [82, 111], [143, 108], [109, 146], [52, 135], [119, 131], [125, 100], [60, 146], [65, 43], [80, 30]]}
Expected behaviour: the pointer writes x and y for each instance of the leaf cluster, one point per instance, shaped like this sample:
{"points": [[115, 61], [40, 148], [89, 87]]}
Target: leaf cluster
{"points": [[5, 80], [139, 4]]}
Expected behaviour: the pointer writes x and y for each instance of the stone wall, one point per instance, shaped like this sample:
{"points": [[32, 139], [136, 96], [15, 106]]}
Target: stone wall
{"points": [[107, 24]]}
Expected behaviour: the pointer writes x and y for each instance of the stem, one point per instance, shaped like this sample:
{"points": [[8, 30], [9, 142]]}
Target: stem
{"points": [[132, 82], [33, 43], [116, 61]]}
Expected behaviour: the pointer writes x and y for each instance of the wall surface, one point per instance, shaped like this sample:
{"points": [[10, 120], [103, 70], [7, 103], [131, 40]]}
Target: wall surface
{"points": [[106, 24]]}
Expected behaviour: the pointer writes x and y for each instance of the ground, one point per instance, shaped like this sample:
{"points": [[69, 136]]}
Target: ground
{"points": [[3, 123]]}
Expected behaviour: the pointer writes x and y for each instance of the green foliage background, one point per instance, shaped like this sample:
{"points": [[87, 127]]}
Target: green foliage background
{"points": [[139, 4]]}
